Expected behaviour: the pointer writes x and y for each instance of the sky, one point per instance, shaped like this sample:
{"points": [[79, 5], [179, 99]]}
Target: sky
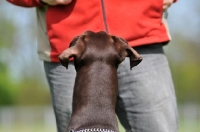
{"points": [[184, 17]]}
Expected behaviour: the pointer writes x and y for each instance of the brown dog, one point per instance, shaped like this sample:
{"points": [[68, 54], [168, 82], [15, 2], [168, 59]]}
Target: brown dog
{"points": [[97, 56]]}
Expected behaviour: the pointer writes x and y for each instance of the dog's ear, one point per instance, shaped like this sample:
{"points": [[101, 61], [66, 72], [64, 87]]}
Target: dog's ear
{"points": [[135, 58], [127, 51], [75, 50]]}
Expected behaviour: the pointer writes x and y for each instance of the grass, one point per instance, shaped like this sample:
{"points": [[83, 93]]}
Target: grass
{"points": [[184, 127], [189, 126]]}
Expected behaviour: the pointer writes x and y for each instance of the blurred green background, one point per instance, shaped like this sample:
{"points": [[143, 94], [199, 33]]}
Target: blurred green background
{"points": [[25, 104]]}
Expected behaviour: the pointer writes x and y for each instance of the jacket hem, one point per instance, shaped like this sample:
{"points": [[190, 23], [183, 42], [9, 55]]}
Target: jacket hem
{"points": [[134, 43]]}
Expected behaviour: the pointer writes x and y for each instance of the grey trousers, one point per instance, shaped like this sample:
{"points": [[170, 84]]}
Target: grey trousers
{"points": [[146, 100]]}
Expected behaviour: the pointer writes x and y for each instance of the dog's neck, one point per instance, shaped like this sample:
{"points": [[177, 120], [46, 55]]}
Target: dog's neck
{"points": [[94, 98]]}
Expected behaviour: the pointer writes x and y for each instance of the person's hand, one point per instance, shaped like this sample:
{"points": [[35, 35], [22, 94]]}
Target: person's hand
{"points": [[57, 2], [167, 4]]}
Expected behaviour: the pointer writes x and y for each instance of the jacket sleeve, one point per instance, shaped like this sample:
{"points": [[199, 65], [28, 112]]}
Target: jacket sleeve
{"points": [[26, 3]]}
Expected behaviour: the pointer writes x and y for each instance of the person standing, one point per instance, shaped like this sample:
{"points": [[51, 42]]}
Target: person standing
{"points": [[146, 101]]}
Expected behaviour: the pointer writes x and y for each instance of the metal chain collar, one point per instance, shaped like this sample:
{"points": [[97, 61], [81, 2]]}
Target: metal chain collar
{"points": [[93, 130]]}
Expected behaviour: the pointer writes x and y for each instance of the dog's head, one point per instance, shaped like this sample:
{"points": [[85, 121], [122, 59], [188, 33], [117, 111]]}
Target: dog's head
{"points": [[92, 47]]}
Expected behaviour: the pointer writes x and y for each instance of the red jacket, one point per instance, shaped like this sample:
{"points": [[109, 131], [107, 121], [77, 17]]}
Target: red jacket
{"points": [[138, 21]]}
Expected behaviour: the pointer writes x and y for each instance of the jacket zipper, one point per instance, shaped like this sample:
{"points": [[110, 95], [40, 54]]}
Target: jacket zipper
{"points": [[104, 15]]}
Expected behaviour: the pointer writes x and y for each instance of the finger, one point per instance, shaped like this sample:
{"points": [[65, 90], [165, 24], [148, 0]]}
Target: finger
{"points": [[166, 6], [64, 2]]}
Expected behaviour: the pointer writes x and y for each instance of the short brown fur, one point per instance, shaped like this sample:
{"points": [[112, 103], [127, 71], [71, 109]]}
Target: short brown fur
{"points": [[96, 58]]}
